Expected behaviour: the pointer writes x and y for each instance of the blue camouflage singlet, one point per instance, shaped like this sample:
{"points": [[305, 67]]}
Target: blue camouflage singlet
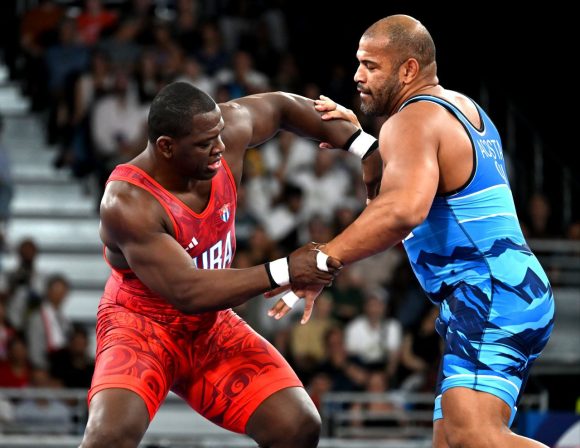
{"points": [[470, 257]]}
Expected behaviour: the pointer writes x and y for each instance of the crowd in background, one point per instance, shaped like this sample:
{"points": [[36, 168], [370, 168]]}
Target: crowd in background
{"points": [[91, 71]]}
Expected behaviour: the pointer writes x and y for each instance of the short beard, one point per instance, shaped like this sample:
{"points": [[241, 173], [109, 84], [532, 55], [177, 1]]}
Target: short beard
{"points": [[383, 104], [371, 108]]}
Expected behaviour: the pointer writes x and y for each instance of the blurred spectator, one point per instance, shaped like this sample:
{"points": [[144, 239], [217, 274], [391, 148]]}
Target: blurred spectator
{"points": [[167, 53], [261, 247], [407, 297], [379, 411], [288, 77], [344, 372], [340, 85], [246, 221], [37, 33], [93, 20], [259, 43], [319, 385], [283, 221], [319, 230], [379, 270], [148, 77], [573, 232], [120, 48], [48, 328], [118, 127], [211, 54], [72, 365], [539, 222], [420, 354], [43, 415], [37, 23], [15, 370], [347, 295], [326, 187], [242, 79], [186, 27], [6, 332], [88, 89], [6, 188], [287, 155], [143, 12], [24, 284], [194, 74], [372, 338], [307, 341], [65, 61]]}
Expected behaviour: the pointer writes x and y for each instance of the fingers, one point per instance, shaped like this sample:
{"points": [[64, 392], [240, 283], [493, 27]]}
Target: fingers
{"points": [[279, 310], [324, 104], [310, 294], [308, 307], [325, 145], [333, 114], [334, 265]]}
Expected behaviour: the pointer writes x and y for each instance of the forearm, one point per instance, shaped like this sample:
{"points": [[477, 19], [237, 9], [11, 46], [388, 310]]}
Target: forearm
{"points": [[297, 114], [216, 289], [380, 226], [267, 113]]}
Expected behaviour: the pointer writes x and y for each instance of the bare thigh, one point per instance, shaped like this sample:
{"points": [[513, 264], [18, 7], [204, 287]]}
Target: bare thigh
{"points": [[117, 417]]}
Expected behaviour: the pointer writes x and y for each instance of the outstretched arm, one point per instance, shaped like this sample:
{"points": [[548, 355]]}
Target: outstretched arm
{"points": [[270, 112], [409, 145]]}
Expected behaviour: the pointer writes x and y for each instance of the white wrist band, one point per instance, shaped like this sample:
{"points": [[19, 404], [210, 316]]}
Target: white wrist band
{"points": [[280, 271], [290, 299], [321, 258], [363, 144]]}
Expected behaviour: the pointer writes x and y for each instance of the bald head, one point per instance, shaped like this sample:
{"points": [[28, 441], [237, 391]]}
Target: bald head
{"points": [[406, 36]]}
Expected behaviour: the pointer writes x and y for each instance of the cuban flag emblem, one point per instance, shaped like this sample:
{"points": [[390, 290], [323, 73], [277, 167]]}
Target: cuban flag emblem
{"points": [[224, 212]]}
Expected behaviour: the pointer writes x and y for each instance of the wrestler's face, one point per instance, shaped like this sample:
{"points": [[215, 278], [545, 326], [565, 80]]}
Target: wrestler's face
{"points": [[377, 77], [199, 155]]}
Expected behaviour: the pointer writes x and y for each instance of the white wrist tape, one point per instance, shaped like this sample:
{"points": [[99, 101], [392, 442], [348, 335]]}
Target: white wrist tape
{"points": [[363, 144], [290, 299], [280, 271], [321, 258]]}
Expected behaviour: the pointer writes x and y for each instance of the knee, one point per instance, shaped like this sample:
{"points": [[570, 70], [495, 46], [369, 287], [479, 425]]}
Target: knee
{"points": [[107, 436], [291, 431], [303, 431]]}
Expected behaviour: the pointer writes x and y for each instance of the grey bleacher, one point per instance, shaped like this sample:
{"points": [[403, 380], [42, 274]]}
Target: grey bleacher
{"points": [[53, 209]]}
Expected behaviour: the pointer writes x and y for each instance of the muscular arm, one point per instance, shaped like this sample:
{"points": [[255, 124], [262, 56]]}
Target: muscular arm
{"points": [[253, 119], [408, 143], [132, 224]]}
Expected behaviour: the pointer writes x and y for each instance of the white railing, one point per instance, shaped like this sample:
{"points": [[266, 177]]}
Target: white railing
{"points": [[410, 416]]}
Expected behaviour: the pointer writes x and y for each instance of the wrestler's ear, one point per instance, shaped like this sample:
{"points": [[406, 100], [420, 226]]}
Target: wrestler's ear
{"points": [[409, 70], [165, 146]]}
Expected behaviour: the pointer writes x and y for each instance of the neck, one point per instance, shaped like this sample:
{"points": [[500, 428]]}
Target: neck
{"points": [[426, 85], [157, 168]]}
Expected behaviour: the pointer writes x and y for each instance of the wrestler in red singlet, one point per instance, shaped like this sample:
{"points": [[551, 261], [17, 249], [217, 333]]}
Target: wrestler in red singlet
{"points": [[213, 360]]}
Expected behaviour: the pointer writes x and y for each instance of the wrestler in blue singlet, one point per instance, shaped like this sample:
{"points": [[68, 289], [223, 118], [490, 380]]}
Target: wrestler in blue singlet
{"points": [[496, 304]]}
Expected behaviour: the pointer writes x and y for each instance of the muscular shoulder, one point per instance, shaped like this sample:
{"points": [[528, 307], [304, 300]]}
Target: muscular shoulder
{"points": [[128, 212], [417, 120], [237, 131]]}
